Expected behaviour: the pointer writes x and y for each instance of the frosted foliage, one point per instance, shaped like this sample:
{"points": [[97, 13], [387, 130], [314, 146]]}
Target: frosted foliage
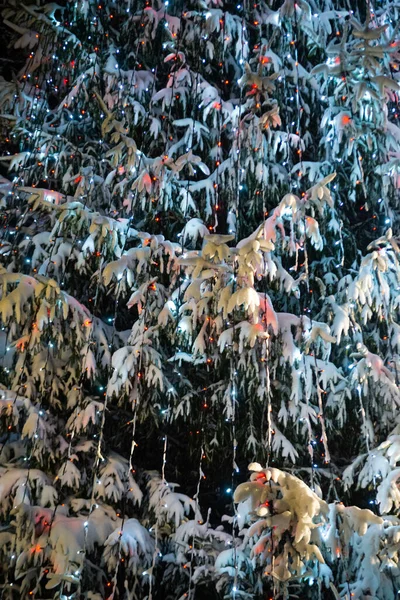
{"points": [[63, 545], [135, 543], [276, 505], [381, 466], [200, 265], [171, 506], [287, 504]]}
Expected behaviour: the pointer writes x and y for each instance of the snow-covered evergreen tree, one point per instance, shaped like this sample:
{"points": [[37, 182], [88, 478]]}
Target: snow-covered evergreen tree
{"points": [[199, 270]]}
